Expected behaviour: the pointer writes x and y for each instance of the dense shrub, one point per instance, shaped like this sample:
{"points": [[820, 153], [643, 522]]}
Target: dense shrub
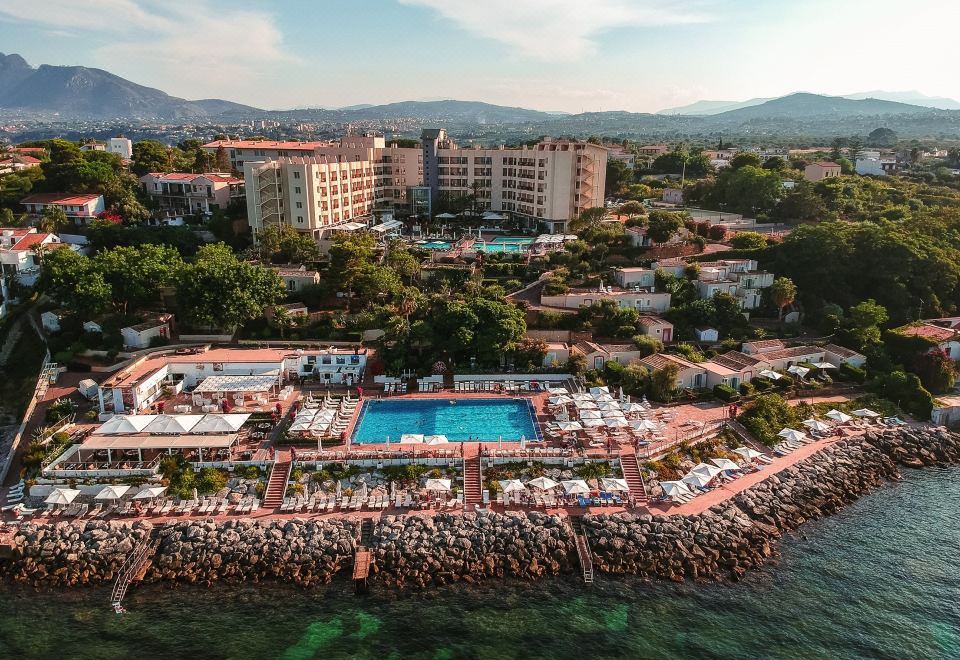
{"points": [[725, 393]]}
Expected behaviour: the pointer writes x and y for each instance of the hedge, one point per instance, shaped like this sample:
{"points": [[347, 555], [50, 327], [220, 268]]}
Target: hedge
{"points": [[725, 393]]}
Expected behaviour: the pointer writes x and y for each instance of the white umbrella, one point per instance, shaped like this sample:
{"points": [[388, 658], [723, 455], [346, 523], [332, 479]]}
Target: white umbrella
{"points": [[597, 391], [215, 423], [603, 398], [560, 400], [697, 480], [798, 370], [839, 416], [512, 486], [645, 425], [590, 414], [570, 426], [614, 485], [124, 424], [587, 405], [616, 422], [542, 483], [557, 390], [607, 406], [792, 435], [172, 424], [724, 464], [816, 425], [675, 488], [592, 423], [707, 470], [445, 216], [612, 414], [413, 438], [632, 407], [581, 396], [61, 496], [442, 485], [865, 412], [824, 365], [150, 492], [112, 492], [747, 453], [575, 487], [772, 375], [436, 440]]}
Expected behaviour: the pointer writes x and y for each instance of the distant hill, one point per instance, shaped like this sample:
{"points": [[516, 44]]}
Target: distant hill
{"points": [[706, 108], [912, 97], [806, 106], [451, 110], [82, 92]]}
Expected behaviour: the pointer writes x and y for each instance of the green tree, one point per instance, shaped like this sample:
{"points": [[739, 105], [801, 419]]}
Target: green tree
{"points": [[663, 382], [783, 292], [6, 218], [136, 274], [748, 240], [282, 319], [71, 279], [54, 220], [882, 137], [219, 291], [767, 415], [744, 159], [150, 156], [589, 219], [937, 370], [647, 344], [802, 204], [631, 208], [222, 160], [748, 189], [618, 176], [662, 225]]}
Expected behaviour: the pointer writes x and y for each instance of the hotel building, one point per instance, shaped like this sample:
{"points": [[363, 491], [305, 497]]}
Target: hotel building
{"points": [[321, 188]]}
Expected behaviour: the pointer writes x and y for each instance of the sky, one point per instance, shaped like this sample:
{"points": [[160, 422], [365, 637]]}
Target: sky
{"points": [[556, 55]]}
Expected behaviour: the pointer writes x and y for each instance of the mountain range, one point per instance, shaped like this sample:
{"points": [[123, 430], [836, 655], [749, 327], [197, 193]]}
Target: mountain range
{"points": [[78, 92]]}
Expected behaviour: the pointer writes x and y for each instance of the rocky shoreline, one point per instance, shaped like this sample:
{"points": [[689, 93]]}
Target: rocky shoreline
{"points": [[415, 551]]}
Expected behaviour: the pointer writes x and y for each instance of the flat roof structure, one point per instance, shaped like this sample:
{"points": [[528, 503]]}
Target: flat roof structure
{"points": [[143, 441], [260, 383]]}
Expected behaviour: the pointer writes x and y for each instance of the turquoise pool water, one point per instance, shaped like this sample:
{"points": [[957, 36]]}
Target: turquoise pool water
{"points": [[436, 245], [463, 420], [505, 244]]}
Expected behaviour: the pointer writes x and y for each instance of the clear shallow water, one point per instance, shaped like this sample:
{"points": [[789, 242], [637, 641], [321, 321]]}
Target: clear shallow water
{"points": [[878, 581], [435, 245], [467, 419], [505, 244]]}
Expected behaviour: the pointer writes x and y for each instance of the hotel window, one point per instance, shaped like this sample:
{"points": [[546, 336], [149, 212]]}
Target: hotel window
{"points": [[300, 219], [296, 175], [297, 190], [299, 205]]}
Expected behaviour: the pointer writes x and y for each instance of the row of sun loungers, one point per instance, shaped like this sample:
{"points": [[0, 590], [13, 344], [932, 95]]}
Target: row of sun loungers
{"points": [[319, 503]]}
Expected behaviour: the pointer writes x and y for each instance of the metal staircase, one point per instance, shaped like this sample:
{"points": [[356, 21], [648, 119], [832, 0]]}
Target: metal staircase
{"points": [[583, 549], [132, 569]]}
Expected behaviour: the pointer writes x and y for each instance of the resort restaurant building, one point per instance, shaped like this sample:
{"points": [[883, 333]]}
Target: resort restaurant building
{"points": [[233, 371]]}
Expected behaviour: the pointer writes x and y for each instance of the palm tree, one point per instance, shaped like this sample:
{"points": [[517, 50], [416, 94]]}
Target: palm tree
{"points": [[53, 220], [783, 292]]}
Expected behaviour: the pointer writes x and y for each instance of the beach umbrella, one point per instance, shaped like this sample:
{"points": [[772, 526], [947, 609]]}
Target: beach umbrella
{"points": [[632, 407], [824, 365], [696, 480], [440, 485], [607, 406], [839, 416], [512, 486], [675, 488], [542, 483], [150, 492], [747, 453], [645, 425], [339, 488], [557, 390], [590, 414], [587, 405], [575, 487], [709, 471], [114, 492], [582, 396], [560, 400], [792, 435], [798, 370], [597, 391], [570, 426], [603, 398], [816, 425], [413, 438], [612, 414], [614, 485], [592, 423], [772, 375], [436, 440], [865, 412], [124, 424], [616, 423], [61, 496], [724, 464]]}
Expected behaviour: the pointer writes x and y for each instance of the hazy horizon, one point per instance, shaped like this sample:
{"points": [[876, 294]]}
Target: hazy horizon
{"points": [[552, 55]]}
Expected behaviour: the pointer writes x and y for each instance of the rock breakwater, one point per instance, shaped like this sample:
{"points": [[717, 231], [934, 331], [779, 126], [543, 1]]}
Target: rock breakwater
{"points": [[418, 551]]}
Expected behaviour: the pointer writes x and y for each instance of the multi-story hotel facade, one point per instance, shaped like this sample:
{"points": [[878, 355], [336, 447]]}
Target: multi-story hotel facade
{"points": [[317, 188]]}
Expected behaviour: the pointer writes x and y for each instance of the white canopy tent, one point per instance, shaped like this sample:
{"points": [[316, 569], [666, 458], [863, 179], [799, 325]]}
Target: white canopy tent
{"points": [[710, 471], [435, 440], [597, 391], [559, 400], [173, 424], [124, 424], [865, 412], [593, 423], [150, 492], [570, 426], [214, 423], [675, 488], [575, 487], [590, 414], [245, 384], [412, 438], [798, 370], [725, 464], [769, 373]]}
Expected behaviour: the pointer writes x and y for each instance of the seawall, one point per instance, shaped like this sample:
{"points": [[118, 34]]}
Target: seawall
{"points": [[417, 551]]}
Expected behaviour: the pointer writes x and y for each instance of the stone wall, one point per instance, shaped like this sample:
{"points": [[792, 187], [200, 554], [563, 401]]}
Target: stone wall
{"points": [[417, 551]]}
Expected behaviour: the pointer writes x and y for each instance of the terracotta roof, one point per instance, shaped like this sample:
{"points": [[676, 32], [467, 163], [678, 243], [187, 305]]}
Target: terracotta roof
{"points": [[736, 360], [826, 163], [795, 352], [841, 351], [29, 241], [588, 347], [765, 343], [653, 321], [619, 348], [660, 360], [28, 150], [928, 331], [67, 199], [187, 176]]}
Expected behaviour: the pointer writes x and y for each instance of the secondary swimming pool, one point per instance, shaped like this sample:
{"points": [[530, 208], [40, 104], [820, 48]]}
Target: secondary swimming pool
{"points": [[458, 419], [505, 244], [435, 245]]}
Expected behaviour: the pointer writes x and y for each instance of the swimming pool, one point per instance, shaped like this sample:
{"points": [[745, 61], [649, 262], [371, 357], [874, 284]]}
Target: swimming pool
{"points": [[458, 419], [505, 244], [435, 245]]}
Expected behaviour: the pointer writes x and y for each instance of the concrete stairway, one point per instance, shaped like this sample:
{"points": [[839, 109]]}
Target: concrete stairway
{"points": [[631, 474], [472, 479], [277, 485]]}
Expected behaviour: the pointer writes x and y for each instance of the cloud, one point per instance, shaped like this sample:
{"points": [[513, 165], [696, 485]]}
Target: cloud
{"points": [[559, 30], [190, 49]]}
